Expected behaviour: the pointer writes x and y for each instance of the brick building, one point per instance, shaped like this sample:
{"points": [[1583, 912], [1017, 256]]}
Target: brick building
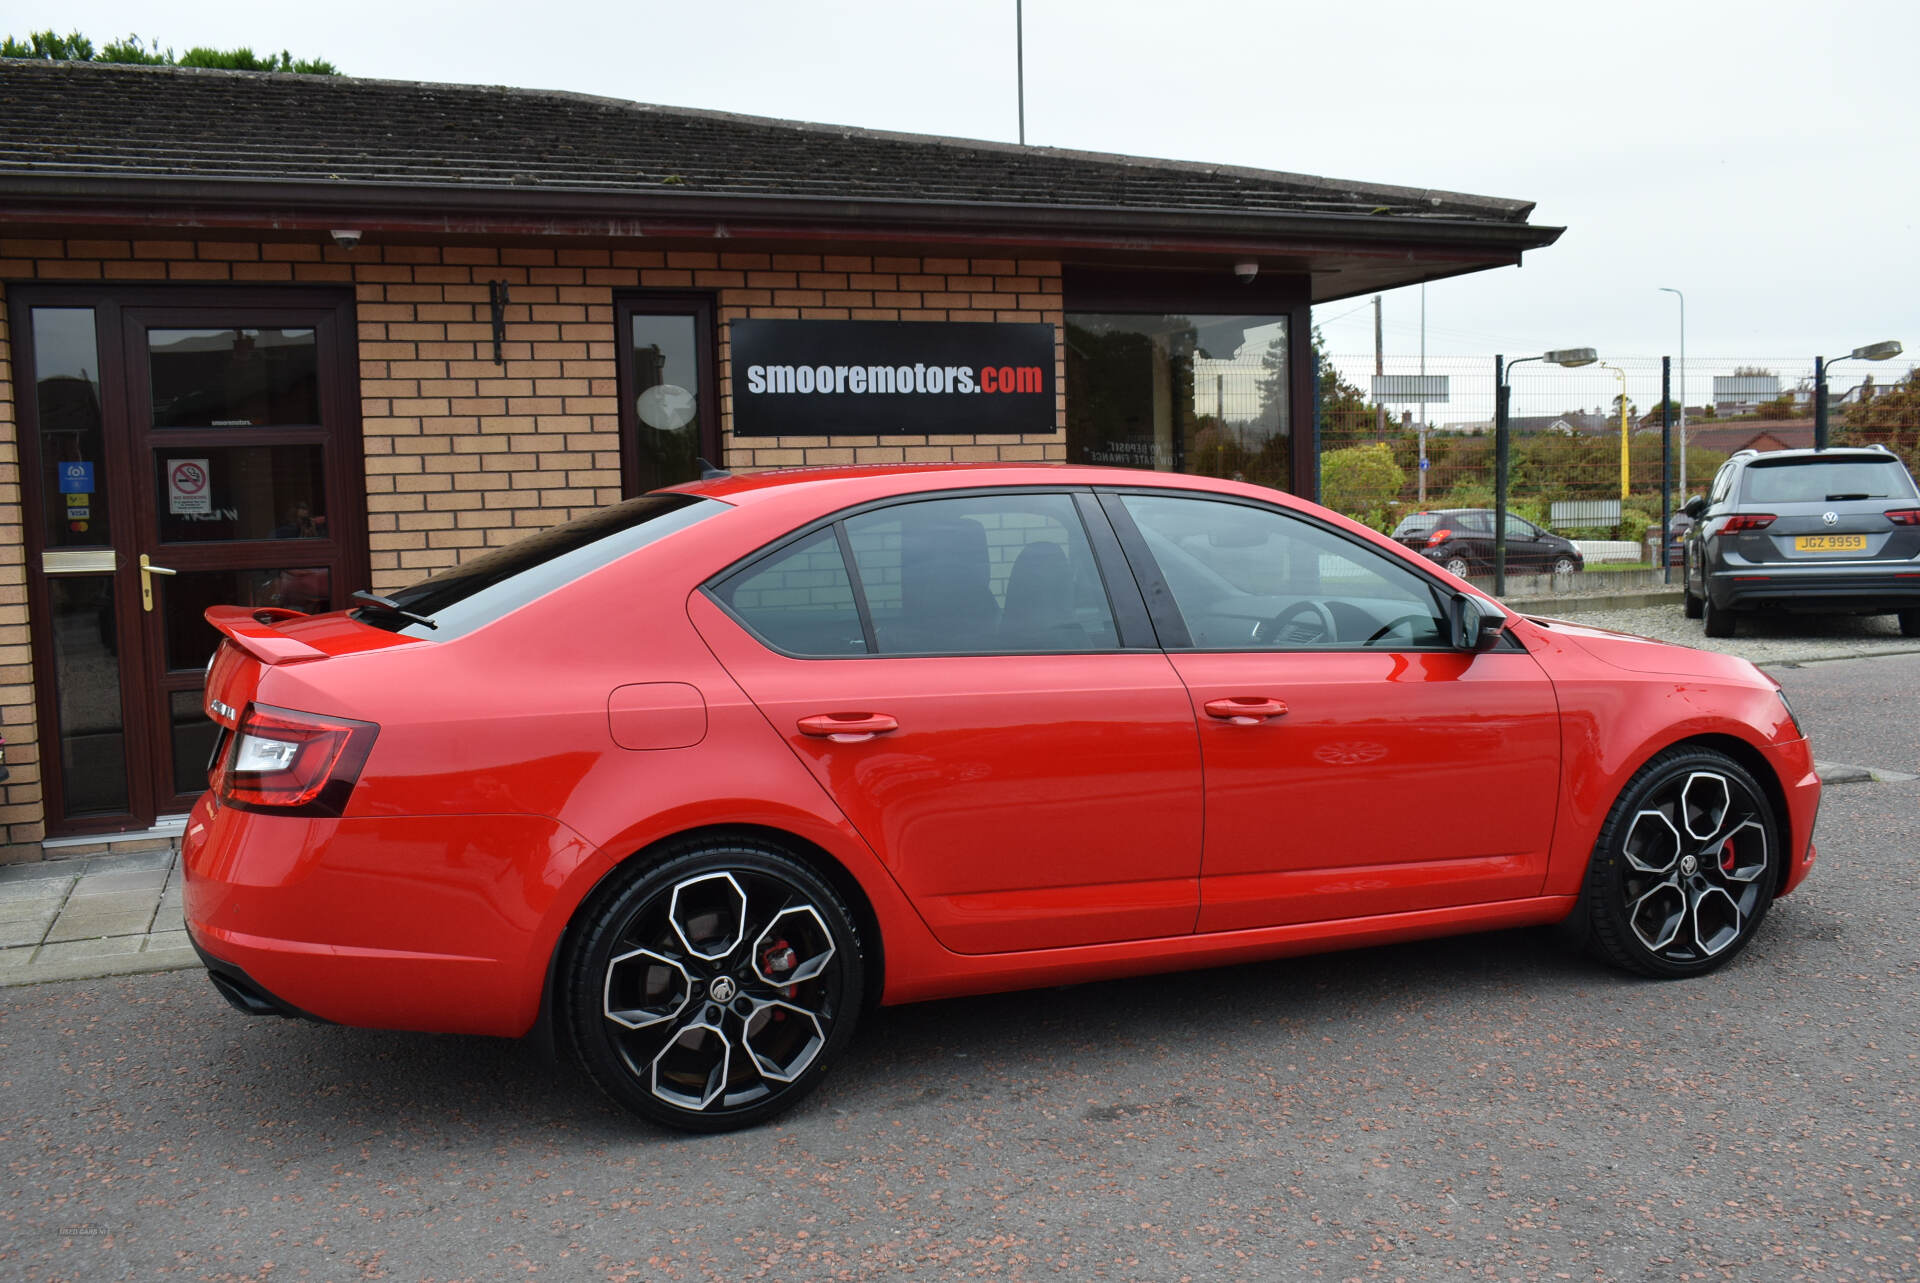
{"points": [[288, 337]]}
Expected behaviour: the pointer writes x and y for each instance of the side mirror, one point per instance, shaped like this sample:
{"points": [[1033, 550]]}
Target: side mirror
{"points": [[1695, 506], [1471, 625]]}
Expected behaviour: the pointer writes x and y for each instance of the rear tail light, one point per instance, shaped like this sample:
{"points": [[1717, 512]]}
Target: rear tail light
{"points": [[1439, 536], [1905, 516], [1747, 521], [289, 763]]}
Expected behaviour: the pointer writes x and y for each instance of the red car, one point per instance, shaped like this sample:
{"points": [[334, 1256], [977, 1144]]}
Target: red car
{"points": [[693, 781]]}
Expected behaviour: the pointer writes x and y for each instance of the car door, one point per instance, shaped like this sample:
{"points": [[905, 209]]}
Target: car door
{"points": [[987, 709], [1526, 549], [1355, 763]]}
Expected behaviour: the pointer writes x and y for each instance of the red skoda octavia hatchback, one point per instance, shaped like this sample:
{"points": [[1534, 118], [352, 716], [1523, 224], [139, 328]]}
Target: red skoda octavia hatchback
{"points": [[695, 780]]}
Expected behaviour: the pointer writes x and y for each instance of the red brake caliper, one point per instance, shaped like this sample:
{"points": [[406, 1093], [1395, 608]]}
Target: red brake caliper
{"points": [[1728, 856], [778, 959]]}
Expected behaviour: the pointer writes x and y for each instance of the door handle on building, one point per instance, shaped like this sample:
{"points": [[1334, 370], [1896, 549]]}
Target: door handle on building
{"points": [[147, 571]]}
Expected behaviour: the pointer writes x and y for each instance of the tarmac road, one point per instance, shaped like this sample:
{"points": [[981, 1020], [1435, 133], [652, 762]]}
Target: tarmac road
{"points": [[1484, 1105]]}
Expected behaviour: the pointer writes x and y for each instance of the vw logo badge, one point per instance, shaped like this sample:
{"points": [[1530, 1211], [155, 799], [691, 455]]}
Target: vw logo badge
{"points": [[1829, 517]]}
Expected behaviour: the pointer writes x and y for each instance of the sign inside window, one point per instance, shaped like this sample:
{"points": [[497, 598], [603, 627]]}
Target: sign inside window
{"points": [[891, 378]]}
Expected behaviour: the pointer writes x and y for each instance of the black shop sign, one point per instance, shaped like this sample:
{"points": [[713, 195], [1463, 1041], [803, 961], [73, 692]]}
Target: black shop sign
{"points": [[890, 378]]}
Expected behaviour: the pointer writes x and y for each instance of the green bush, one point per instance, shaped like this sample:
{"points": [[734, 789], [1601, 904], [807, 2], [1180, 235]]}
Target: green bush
{"points": [[1361, 481]]}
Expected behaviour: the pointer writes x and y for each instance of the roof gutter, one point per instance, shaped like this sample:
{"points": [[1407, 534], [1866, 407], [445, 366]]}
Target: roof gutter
{"points": [[451, 209]]}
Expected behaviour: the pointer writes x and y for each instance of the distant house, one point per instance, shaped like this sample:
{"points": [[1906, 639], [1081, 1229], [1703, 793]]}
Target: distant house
{"points": [[1763, 434], [1743, 393]]}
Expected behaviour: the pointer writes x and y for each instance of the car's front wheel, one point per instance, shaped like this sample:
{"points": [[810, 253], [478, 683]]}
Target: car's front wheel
{"points": [[712, 988], [1684, 869], [1563, 565]]}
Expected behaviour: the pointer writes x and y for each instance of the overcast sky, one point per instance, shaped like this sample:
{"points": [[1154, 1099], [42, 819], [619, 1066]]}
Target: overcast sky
{"points": [[1758, 155]]}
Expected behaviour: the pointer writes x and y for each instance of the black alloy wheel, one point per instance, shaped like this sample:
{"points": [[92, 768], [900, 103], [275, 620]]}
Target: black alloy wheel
{"points": [[712, 988], [1685, 867]]}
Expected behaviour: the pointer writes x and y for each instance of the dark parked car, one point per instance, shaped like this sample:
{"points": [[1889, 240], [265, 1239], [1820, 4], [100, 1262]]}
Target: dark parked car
{"points": [[1826, 531], [1677, 527], [1461, 539]]}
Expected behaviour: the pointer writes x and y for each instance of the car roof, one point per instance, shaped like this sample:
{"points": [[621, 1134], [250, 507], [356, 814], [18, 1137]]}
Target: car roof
{"points": [[1848, 453], [841, 484]]}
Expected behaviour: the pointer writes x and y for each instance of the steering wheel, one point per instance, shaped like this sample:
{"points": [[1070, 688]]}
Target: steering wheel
{"points": [[1391, 624], [1293, 627]]}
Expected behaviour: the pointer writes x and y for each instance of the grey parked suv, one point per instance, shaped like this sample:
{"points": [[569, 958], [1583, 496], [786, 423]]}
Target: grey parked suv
{"points": [[1828, 531]]}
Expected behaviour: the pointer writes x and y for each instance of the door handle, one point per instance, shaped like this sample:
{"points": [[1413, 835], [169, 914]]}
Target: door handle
{"points": [[1246, 710], [147, 571], [847, 728]]}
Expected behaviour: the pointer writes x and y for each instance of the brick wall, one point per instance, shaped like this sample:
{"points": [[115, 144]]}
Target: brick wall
{"points": [[20, 817], [464, 454]]}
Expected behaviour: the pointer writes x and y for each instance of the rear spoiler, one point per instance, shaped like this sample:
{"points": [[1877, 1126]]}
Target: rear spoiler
{"points": [[251, 628]]}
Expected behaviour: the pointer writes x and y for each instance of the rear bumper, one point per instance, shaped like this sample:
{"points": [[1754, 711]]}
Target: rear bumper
{"points": [[1860, 590], [442, 924]]}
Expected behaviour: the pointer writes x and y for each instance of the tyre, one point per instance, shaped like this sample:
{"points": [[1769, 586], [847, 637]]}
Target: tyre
{"points": [[1693, 605], [1685, 867], [1563, 565], [1910, 623], [1458, 566], [712, 988], [1718, 621]]}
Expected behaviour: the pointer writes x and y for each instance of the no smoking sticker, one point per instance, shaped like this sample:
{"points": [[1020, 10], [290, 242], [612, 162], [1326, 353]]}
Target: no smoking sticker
{"points": [[187, 488]]}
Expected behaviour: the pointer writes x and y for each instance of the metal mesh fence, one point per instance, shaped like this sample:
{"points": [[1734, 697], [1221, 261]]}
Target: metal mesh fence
{"points": [[1392, 446]]}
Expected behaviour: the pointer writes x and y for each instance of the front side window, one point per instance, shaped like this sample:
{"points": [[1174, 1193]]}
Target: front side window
{"points": [[1197, 393], [982, 574], [1246, 578]]}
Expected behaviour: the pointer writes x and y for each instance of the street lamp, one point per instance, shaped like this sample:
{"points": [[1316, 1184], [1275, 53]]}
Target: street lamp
{"points": [[1622, 376], [1883, 351], [1668, 289], [1570, 357]]}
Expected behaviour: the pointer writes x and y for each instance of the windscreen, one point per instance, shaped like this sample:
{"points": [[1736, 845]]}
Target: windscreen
{"points": [[481, 590], [1826, 481]]}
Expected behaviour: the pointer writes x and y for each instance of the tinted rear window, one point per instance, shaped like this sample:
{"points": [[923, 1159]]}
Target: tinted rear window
{"points": [[1826, 481], [479, 591]]}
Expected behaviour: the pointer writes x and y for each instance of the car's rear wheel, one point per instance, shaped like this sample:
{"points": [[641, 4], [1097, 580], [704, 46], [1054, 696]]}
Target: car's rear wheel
{"points": [[1458, 566], [1685, 867], [712, 988], [1693, 605], [1910, 623], [1717, 620]]}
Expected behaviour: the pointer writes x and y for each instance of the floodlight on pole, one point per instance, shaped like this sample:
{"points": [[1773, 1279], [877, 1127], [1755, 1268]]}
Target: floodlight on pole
{"points": [[1502, 387], [1885, 350], [1668, 289]]}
